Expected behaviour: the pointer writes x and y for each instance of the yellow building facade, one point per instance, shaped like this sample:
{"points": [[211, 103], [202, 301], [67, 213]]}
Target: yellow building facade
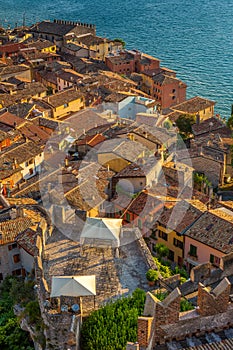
{"points": [[173, 241], [68, 108]]}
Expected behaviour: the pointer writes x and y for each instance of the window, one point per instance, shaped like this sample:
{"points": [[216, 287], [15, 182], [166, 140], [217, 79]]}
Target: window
{"points": [[193, 250], [163, 235], [140, 224], [16, 272], [66, 105], [12, 246], [173, 97], [1, 276], [171, 255], [173, 91], [16, 258], [31, 171], [178, 243], [128, 217], [214, 260]]}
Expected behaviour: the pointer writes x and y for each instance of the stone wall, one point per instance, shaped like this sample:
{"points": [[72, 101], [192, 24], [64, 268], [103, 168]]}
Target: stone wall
{"points": [[163, 322]]}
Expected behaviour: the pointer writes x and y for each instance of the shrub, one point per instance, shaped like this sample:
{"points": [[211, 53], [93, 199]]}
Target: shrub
{"points": [[162, 250], [185, 305], [152, 275], [114, 324]]}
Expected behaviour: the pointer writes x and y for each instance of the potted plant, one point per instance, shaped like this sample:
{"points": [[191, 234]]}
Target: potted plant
{"points": [[152, 276]]}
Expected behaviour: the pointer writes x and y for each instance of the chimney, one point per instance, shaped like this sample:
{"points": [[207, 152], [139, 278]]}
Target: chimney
{"points": [[197, 118], [15, 164], [19, 212], [144, 330]]}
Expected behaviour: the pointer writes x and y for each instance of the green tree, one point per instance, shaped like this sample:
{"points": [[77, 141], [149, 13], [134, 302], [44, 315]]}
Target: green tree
{"points": [[120, 41], [184, 124], [11, 335], [230, 120], [161, 250], [113, 325]]}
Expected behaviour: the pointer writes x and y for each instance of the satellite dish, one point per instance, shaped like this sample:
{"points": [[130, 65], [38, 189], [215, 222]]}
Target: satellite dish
{"points": [[75, 307], [46, 303], [64, 308]]}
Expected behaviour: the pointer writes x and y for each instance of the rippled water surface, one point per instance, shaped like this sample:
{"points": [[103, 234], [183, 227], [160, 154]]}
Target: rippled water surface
{"points": [[193, 37]]}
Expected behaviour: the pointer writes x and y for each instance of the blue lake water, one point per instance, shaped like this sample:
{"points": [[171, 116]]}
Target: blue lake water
{"points": [[193, 37]]}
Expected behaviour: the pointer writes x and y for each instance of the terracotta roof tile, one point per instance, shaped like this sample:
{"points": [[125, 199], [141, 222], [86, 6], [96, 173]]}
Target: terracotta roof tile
{"points": [[63, 97], [11, 119], [210, 125], [27, 240], [193, 105], [11, 228], [214, 231], [181, 215]]}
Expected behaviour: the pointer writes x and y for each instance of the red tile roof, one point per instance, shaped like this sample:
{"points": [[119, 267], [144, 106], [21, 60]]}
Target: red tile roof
{"points": [[11, 48], [11, 119], [27, 240], [91, 140]]}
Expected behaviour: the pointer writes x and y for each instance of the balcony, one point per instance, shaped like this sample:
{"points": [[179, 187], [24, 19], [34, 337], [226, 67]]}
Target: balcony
{"points": [[192, 256]]}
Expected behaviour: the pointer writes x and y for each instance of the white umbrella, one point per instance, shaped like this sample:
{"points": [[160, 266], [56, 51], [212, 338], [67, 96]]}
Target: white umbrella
{"points": [[73, 286]]}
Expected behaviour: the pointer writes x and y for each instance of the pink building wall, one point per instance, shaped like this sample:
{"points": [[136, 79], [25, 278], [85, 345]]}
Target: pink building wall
{"points": [[203, 252]]}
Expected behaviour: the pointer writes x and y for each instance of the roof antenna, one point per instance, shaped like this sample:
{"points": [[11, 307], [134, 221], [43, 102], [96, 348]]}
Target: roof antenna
{"points": [[24, 19]]}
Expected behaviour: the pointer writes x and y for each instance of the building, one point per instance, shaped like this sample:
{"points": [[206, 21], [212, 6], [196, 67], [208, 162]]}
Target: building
{"points": [[137, 176], [43, 46], [128, 106], [65, 102], [208, 326], [67, 78], [27, 156], [209, 238], [19, 226], [58, 30], [131, 61], [10, 49], [198, 106], [176, 217], [119, 153], [21, 72], [164, 87]]}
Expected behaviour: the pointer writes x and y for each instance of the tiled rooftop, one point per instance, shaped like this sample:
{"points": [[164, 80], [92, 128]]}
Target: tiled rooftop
{"points": [[63, 97], [23, 152], [221, 340], [27, 240], [213, 230], [11, 228], [210, 125], [40, 44], [30, 90], [181, 215], [145, 203], [11, 120], [193, 105], [22, 110]]}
